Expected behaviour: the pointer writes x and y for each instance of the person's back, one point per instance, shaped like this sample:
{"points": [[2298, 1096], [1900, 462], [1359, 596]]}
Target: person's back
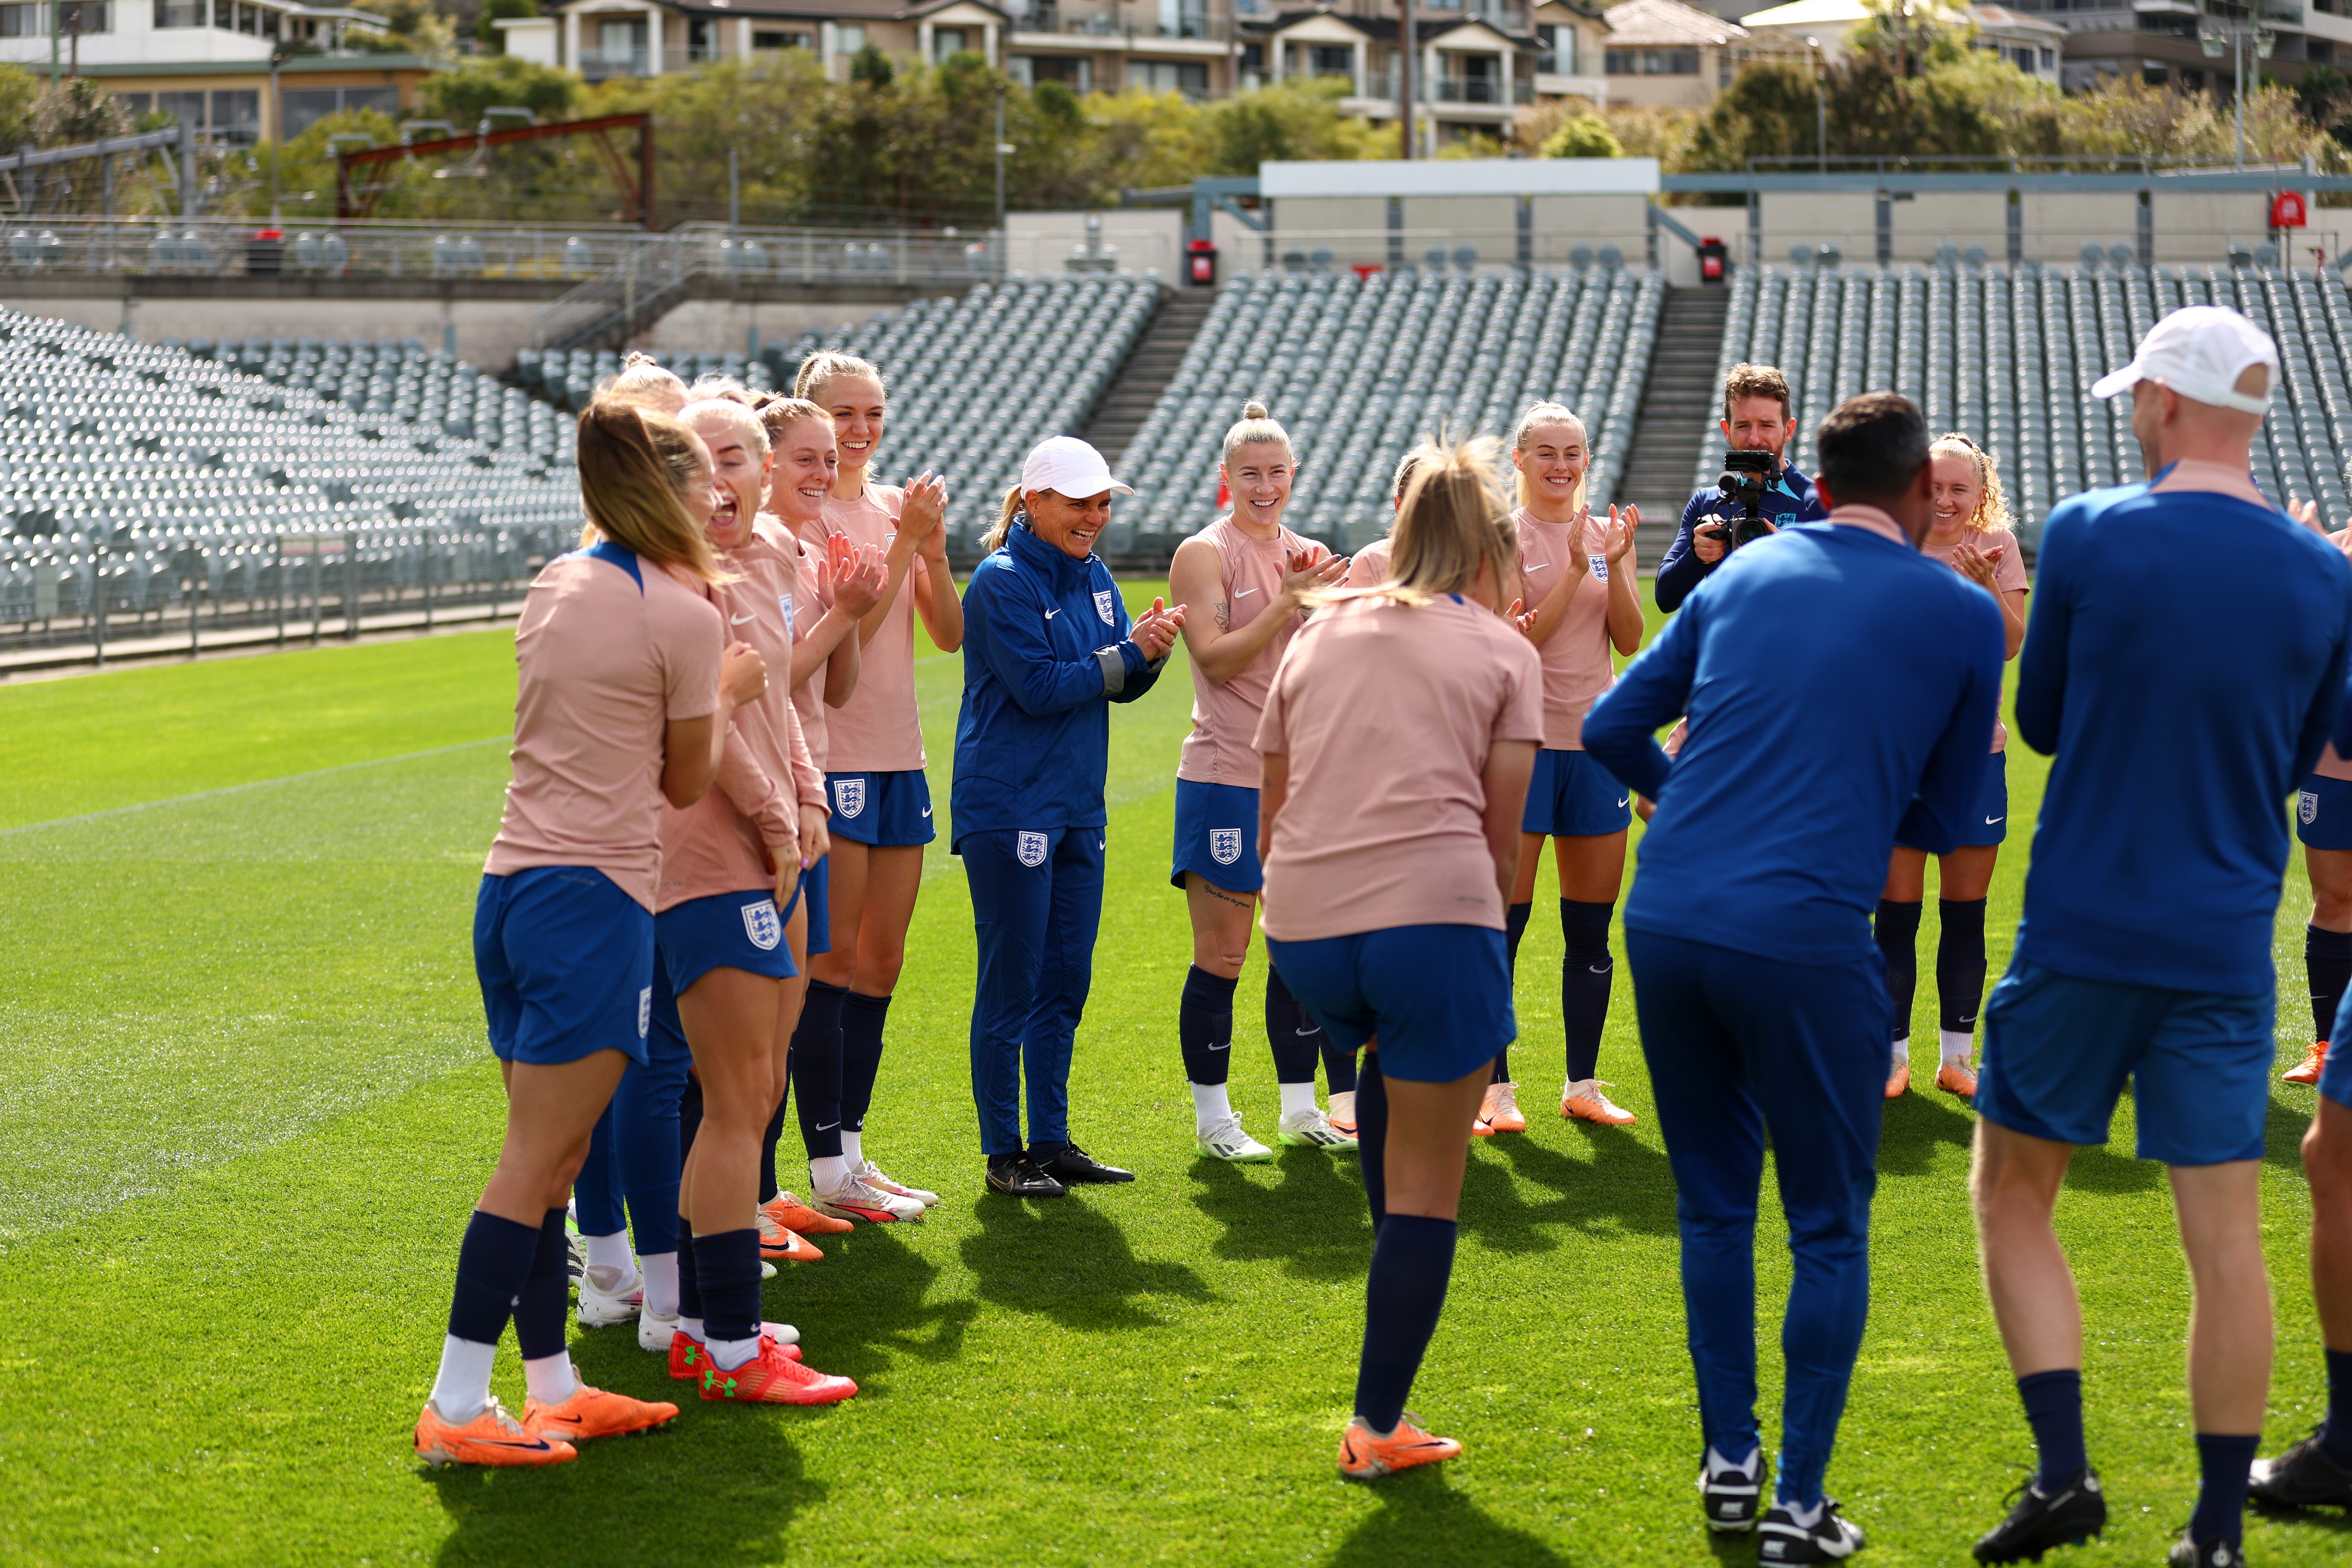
{"points": [[1827, 665], [2178, 668]]}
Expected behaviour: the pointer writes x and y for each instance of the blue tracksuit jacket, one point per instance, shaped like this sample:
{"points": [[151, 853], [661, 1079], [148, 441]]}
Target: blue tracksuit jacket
{"points": [[1789, 500]]}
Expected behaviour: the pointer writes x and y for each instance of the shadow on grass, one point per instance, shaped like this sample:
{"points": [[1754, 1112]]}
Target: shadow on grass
{"points": [[1423, 1520], [1913, 1125], [2337, 1523], [1625, 1182], [2283, 1126], [2097, 1168], [1313, 1221], [741, 1468], [867, 1301], [1061, 1259]]}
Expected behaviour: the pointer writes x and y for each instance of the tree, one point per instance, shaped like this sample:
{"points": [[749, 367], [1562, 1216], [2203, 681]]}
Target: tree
{"points": [[78, 109], [1298, 117], [1581, 136], [461, 95], [494, 11], [415, 28]]}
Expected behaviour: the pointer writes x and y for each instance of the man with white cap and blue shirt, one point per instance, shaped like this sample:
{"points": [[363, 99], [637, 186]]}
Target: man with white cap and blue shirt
{"points": [[1048, 646], [2184, 666]]}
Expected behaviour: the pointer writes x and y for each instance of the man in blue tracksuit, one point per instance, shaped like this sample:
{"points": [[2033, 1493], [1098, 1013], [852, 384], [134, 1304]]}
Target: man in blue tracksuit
{"points": [[1840, 686], [1048, 647], [1756, 418], [2184, 665]]}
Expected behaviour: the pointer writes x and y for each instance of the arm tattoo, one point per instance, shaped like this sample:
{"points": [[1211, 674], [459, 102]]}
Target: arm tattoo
{"points": [[1221, 614]]}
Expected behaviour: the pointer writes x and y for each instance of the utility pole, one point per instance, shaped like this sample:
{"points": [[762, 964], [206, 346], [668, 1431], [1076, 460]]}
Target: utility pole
{"points": [[56, 25], [1407, 47], [1820, 112], [1002, 147]]}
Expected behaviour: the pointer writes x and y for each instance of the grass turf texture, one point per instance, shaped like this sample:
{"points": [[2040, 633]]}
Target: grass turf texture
{"points": [[245, 1107]]}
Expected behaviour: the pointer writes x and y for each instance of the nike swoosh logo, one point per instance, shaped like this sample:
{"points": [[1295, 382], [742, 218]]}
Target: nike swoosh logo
{"points": [[1244, 592], [926, 811], [1051, 614], [1536, 566], [1226, 1047], [1991, 820], [1102, 843], [738, 620], [1623, 799]]}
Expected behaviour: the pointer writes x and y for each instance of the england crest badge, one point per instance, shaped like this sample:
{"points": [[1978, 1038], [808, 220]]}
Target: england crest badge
{"points": [[2306, 807], [1225, 845], [1103, 607], [1031, 848], [1599, 567], [762, 925], [849, 796]]}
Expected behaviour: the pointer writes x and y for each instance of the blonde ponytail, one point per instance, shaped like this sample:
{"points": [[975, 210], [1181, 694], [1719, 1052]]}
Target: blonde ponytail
{"points": [[1015, 505], [1451, 523], [636, 468]]}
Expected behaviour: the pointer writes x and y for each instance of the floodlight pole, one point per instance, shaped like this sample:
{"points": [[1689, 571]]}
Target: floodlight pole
{"points": [[1407, 44], [1820, 112]]}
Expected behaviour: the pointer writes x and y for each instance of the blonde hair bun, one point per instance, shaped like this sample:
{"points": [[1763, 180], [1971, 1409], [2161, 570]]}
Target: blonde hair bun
{"points": [[1254, 409]]}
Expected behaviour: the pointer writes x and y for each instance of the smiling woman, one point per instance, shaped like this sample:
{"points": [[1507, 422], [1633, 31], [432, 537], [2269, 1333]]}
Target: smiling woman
{"points": [[1048, 647]]}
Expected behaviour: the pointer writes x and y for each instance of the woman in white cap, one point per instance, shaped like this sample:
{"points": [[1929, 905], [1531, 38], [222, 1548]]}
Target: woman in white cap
{"points": [[1048, 645]]}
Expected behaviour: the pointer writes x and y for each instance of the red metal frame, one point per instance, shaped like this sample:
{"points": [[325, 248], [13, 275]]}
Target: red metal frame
{"points": [[637, 193]]}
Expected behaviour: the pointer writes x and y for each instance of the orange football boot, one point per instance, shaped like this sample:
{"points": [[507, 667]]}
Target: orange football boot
{"points": [[1583, 1102], [687, 1357], [787, 1210], [492, 1438], [1366, 1457], [1899, 1082], [1500, 1111], [1954, 1077], [777, 1241], [775, 1376], [594, 1413], [2307, 1069]]}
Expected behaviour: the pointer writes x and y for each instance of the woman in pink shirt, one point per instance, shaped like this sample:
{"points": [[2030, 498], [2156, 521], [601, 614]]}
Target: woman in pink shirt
{"points": [[1369, 567], [1972, 534], [626, 687], [881, 797], [1254, 574], [1579, 600], [1398, 738]]}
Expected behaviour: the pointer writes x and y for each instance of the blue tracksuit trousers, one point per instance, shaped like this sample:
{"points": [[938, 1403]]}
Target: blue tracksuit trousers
{"points": [[1739, 1045], [1036, 901], [634, 1149]]}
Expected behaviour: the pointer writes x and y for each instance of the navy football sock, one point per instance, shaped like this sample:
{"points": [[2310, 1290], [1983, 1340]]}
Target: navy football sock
{"points": [[689, 1117], [2054, 1408], [539, 1313], [1515, 927], [1339, 1065], [494, 1262], [689, 1277], [2327, 960], [1960, 962], [1413, 1259], [1204, 1025], [1372, 1136], [768, 1188], [2223, 1463], [1291, 1030], [817, 1070], [728, 1265], [862, 1017], [2335, 1436], [1897, 930], [1585, 973]]}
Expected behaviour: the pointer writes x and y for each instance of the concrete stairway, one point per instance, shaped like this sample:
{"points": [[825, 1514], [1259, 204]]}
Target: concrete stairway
{"points": [[1680, 395], [1149, 369]]}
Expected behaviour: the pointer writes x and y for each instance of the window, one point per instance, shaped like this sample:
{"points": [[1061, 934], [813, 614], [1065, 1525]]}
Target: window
{"points": [[178, 13], [304, 107], [2319, 51], [848, 38], [85, 16], [1330, 60], [946, 41], [2049, 59], [1075, 72], [766, 40], [186, 108], [1190, 78], [135, 104], [1556, 50], [1184, 19], [1651, 62], [21, 21], [225, 15], [236, 116]]}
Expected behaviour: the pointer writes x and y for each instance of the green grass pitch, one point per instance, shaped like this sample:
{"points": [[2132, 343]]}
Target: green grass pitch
{"points": [[244, 1106]]}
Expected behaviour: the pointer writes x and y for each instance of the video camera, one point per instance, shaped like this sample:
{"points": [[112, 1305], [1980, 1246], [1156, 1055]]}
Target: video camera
{"points": [[1744, 476]]}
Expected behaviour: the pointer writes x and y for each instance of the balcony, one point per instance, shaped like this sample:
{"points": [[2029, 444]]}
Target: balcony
{"points": [[599, 64], [1490, 91]]}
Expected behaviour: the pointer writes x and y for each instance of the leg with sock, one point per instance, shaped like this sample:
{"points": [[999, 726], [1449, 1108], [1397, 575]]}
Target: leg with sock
{"points": [[2328, 962], [539, 1319], [726, 1268], [1515, 927], [816, 1080], [2336, 1435], [1897, 930], [1204, 1033], [862, 1019], [1297, 1040], [1413, 1260], [494, 1264], [646, 1113], [1372, 1135], [2054, 1408], [1959, 976], [1586, 971], [689, 1284]]}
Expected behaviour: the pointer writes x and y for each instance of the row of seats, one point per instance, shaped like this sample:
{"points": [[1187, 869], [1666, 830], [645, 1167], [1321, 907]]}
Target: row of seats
{"points": [[2008, 356]]}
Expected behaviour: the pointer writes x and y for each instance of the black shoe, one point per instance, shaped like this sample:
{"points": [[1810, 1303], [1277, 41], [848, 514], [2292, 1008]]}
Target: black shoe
{"points": [[1829, 1539], [1729, 1494], [2187, 1553], [1017, 1176], [1068, 1162], [2305, 1476], [2075, 1513]]}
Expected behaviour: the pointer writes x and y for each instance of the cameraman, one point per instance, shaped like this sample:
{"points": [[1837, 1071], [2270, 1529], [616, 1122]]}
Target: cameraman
{"points": [[1756, 418]]}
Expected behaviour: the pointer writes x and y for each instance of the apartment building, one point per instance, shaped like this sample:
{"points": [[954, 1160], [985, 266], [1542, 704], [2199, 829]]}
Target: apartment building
{"points": [[2194, 44]]}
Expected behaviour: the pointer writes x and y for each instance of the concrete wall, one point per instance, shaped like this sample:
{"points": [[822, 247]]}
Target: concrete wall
{"points": [[1961, 218], [1145, 238], [723, 326], [1846, 219]]}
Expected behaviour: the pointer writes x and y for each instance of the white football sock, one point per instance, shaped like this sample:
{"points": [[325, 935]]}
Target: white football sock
{"points": [[550, 1379], [1957, 1044], [828, 1174], [853, 1148], [1902, 1053], [660, 1270], [463, 1386], [1343, 1106], [1297, 1097], [1805, 1517], [692, 1329], [610, 1252], [609, 1280], [729, 1354], [1210, 1105]]}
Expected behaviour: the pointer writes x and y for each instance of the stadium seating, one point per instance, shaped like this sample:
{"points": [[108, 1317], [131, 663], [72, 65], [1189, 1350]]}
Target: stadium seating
{"points": [[1360, 369], [131, 471], [2008, 355]]}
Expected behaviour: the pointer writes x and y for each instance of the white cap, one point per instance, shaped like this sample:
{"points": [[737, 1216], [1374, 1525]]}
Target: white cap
{"points": [[1068, 467], [2199, 353]]}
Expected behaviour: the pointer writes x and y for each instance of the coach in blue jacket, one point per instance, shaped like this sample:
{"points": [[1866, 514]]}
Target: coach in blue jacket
{"points": [[1048, 647], [1840, 686]]}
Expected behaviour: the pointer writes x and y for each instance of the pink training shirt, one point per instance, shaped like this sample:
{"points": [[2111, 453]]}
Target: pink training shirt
{"points": [[2008, 575], [1387, 712], [879, 729], [734, 837], [804, 603], [604, 668], [1576, 665], [1224, 718], [1369, 567]]}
